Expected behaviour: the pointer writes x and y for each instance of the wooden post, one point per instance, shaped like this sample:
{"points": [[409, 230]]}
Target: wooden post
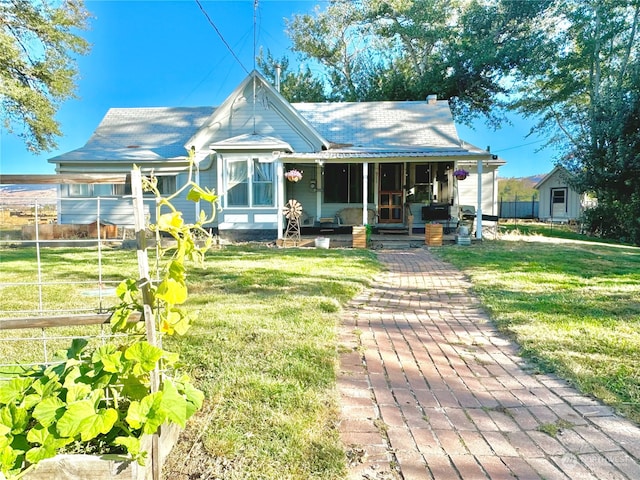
{"points": [[145, 286]]}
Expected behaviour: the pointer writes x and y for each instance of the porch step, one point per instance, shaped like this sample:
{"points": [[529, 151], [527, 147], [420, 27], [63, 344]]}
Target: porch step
{"points": [[396, 245], [393, 231]]}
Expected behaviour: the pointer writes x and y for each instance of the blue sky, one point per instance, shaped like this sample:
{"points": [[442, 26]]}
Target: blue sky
{"points": [[166, 53]]}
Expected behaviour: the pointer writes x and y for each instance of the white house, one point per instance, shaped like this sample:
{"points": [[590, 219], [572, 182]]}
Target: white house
{"points": [[381, 160], [559, 201]]}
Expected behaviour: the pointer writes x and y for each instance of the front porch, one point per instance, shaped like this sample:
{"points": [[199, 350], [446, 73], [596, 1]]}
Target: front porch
{"points": [[342, 237]]}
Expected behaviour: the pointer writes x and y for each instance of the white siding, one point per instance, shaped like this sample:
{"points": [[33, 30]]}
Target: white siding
{"points": [[242, 117]]}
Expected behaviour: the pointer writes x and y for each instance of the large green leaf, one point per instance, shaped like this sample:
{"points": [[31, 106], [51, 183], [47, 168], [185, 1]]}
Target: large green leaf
{"points": [[177, 409], [37, 454], [16, 419], [128, 291], [145, 354], [14, 389], [47, 385], [134, 388], [195, 396], [77, 347], [49, 444], [132, 444], [48, 411], [102, 422], [110, 358], [147, 414], [4, 435], [172, 291], [9, 459], [78, 391], [70, 424], [198, 193], [72, 375]]}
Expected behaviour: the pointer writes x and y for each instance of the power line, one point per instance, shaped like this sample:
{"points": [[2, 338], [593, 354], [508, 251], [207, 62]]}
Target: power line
{"points": [[519, 146], [221, 37]]}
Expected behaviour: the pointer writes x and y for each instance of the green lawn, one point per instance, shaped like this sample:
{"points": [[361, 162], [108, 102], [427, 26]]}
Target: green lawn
{"points": [[263, 344], [264, 350], [262, 347], [573, 308]]}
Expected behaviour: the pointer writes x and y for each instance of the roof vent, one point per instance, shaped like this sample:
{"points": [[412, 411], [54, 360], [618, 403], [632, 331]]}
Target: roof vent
{"points": [[431, 99]]}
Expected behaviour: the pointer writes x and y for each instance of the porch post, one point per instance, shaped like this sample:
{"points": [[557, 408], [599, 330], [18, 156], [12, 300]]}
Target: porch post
{"points": [[365, 192], [479, 208], [280, 186]]}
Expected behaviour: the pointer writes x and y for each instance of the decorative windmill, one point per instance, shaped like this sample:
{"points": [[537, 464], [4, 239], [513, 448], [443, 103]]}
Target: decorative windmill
{"points": [[292, 211]]}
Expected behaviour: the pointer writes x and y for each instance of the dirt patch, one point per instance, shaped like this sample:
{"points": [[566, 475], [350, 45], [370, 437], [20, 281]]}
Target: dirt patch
{"points": [[189, 459]]}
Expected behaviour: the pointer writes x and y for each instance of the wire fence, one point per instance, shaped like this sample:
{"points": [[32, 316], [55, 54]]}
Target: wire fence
{"points": [[58, 281]]}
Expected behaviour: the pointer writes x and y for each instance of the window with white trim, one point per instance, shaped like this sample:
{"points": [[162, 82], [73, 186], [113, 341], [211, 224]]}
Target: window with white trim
{"points": [[249, 182]]}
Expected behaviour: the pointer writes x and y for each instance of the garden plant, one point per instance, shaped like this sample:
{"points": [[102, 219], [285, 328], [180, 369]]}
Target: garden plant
{"points": [[103, 400]]}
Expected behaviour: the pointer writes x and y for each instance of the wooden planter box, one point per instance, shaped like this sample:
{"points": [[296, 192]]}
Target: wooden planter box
{"points": [[433, 234], [105, 467], [359, 237]]}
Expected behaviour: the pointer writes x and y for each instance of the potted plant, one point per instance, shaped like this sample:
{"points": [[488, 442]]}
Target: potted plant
{"points": [[461, 174], [293, 175]]}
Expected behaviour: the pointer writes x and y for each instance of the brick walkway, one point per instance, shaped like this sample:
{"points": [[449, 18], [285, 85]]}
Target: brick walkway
{"points": [[429, 389]]}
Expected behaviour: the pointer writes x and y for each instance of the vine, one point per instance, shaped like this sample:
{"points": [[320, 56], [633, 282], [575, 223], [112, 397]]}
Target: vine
{"points": [[101, 399]]}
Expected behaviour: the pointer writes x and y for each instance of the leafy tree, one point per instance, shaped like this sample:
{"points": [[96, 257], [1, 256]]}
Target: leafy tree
{"points": [[295, 87], [584, 88], [37, 68], [408, 49], [516, 188]]}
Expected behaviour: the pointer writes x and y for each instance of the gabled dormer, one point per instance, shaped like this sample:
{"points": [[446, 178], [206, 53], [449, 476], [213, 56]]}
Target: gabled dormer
{"points": [[255, 110]]}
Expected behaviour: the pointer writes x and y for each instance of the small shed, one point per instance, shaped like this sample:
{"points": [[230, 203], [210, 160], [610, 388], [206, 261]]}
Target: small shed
{"points": [[559, 201]]}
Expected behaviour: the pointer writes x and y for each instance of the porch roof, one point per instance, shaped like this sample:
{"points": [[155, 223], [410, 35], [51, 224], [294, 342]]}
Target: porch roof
{"points": [[365, 154]]}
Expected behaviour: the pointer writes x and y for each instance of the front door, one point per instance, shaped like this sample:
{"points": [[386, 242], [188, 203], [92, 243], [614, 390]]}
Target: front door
{"points": [[390, 193]]}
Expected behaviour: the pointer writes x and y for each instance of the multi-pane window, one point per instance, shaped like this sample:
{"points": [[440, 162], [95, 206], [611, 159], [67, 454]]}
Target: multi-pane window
{"points": [[80, 190], [558, 195], [343, 183], [166, 186], [249, 182]]}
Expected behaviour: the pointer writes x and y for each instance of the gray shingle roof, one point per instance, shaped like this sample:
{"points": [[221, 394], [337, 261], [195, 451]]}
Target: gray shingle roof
{"points": [[369, 128], [383, 124], [134, 134]]}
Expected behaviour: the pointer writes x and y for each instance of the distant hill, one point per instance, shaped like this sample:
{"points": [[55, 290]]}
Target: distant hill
{"points": [[25, 194], [518, 188], [530, 180]]}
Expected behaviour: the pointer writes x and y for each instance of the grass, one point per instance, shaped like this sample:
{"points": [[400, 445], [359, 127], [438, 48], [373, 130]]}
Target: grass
{"points": [[573, 308], [263, 348], [557, 230]]}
